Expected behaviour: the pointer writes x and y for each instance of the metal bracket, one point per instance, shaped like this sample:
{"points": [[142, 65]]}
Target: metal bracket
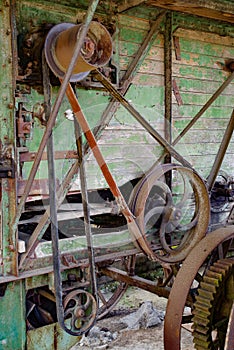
{"points": [[176, 41]]}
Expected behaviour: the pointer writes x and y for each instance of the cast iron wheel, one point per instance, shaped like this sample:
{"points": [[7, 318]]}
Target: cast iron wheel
{"points": [[80, 310], [108, 301], [213, 306], [174, 219]]}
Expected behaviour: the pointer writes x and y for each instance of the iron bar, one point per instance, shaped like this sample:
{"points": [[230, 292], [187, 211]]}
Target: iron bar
{"points": [[131, 72], [221, 153], [52, 199], [198, 115], [54, 112], [109, 87], [204, 108], [136, 281], [168, 76], [168, 88], [86, 208]]}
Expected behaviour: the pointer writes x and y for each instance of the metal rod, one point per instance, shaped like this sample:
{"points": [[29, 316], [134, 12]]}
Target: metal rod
{"points": [[131, 72], [221, 153], [204, 108], [86, 208], [168, 76], [100, 77], [168, 89], [52, 200], [198, 115], [54, 112]]}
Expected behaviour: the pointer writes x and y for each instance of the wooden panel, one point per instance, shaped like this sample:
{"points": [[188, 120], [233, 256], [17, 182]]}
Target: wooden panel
{"points": [[219, 10]]}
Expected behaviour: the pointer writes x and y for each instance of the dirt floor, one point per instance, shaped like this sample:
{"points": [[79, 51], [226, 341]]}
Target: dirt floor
{"points": [[122, 338]]}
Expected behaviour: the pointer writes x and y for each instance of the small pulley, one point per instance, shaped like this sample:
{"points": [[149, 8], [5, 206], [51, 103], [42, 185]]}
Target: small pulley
{"points": [[80, 310]]}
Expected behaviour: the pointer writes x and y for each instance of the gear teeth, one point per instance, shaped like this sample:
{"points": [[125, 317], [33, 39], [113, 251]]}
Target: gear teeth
{"points": [[214, 279], [209, 287], [202, 308], [202, 344], [211, 280], [206, 294], [198, 319], [200, 330], [214, 275]]}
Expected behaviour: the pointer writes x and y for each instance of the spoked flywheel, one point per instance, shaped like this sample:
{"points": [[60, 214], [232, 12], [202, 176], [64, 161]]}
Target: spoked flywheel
{"points": [[172, 219], [108, 299], [213, 306]]}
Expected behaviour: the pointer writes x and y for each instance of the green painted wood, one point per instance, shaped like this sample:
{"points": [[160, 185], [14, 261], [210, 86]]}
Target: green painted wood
{"points": [[50, 337], [7, 138], [12, 317]]}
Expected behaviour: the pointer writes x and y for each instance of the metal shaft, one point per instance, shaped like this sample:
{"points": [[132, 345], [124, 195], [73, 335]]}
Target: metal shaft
{"points": [[221, 153]]}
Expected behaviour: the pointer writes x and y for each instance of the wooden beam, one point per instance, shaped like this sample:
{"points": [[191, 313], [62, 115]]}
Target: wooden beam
{"points": [[214, 9], [127, 4]]}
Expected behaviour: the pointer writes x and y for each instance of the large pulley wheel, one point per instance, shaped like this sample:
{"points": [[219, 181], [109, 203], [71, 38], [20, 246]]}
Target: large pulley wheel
{"points": [[213, 306], [80, 310], [107, 298], [172, 219]]}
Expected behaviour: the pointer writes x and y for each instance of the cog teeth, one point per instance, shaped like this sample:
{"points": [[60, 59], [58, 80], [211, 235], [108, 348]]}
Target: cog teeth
{"points": [[201, 344], [209, 286], [203, 301], [206, 294], [219, 275], [214, 275], [199, 330], [211, 280], [202, 309]]}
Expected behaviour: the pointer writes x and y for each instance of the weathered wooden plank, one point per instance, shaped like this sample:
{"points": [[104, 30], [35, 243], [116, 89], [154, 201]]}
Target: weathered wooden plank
{"points": [[202, 123], [214, 9], [201, 36], [198, 136], [137, 23], [203, 163], [195, 85], [189, 111]]}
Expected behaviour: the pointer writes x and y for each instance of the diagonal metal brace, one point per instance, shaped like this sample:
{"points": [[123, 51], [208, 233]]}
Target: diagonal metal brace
{"points": [[139, 238], [109, 87]]}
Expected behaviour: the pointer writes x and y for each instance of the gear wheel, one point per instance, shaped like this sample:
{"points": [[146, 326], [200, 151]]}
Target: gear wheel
{"points": [[213, 306]]}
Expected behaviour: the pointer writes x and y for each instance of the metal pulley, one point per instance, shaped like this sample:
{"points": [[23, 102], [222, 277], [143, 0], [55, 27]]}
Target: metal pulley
{"points": [[60, 43]]}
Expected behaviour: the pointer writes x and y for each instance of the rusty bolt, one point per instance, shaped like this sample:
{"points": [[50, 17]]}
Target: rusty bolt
{"points": [[231, 66], [11, 247]]}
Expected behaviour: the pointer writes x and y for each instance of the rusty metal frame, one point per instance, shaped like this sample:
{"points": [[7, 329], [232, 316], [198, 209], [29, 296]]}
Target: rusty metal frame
{"points": [[106, 117], [44, 222], [50, 124]]}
